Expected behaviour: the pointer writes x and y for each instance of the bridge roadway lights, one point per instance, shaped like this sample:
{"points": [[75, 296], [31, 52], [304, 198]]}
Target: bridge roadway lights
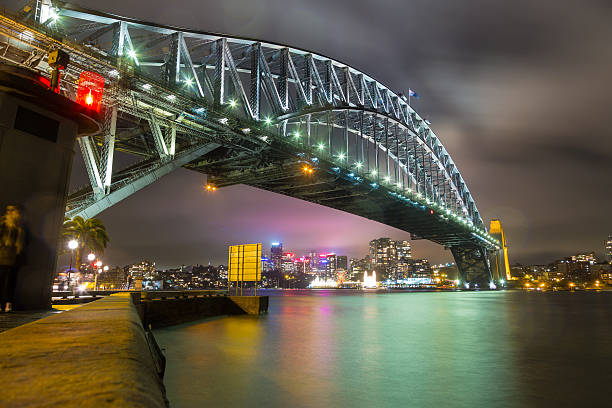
{"points": [[38, 129]]}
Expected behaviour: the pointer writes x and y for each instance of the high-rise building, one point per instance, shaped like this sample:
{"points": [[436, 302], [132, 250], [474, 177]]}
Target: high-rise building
{"points": [[331, 266], [287, 264], [419, 268], [390, 258], [609, 248], [276, 254], [358, 267], [142, 270]]}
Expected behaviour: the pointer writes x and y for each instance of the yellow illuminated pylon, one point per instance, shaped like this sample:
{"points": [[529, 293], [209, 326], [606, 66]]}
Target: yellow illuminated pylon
{"points": [[497, 231]]}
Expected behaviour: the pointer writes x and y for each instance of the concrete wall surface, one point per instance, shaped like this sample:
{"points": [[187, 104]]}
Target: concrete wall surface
{"points": [[253, 305], [96, 355], [166, 312]]}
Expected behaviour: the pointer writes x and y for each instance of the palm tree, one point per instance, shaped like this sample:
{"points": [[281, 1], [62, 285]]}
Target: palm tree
{"points": [[91, 235]]}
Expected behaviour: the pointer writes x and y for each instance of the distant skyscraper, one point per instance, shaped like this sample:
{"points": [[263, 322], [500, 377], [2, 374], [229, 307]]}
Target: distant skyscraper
{"points": [[390, 257], [342, 262], [609, 248], [331, 266], [276, 254]]}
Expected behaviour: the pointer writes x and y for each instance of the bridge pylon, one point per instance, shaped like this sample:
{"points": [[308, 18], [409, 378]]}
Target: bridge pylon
{"points": [[500, 267], [474, 267]]}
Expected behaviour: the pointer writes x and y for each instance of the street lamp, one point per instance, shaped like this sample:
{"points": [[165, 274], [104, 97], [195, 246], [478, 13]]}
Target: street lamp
{"points": [[72, 245], [91, 257]]}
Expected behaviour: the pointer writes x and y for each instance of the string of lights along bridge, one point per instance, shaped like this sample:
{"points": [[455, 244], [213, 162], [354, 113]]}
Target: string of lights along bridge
{"points": [[249, 112]]}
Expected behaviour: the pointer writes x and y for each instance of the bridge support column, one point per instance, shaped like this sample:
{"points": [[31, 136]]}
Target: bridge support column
{"points": [[38, 129], [473, 266]]}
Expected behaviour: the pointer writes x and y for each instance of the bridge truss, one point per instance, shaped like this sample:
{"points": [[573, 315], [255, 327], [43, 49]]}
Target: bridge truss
{"points": [[244, 111]]}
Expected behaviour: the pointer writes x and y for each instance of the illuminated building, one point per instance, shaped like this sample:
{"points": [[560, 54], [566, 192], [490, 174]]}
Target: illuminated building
{"points": [[114, 278], [577, 267], [287, 263], [331, 266], [358, 267], [142, 270], [419, 268], [609, 248], [276, 254], [389, 257]]}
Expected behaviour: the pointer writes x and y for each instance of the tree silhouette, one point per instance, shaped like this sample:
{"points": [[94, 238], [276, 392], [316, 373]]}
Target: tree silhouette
{"points": [[91, 235]]}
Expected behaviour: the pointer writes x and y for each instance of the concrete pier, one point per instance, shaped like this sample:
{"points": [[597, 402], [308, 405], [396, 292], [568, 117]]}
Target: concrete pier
{"points": [[159, 309], [100, 354], [96, 355]]}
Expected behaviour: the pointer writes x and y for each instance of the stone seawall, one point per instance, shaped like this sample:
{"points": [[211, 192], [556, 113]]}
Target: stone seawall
{"points": [[167, 312], [99, 354], [96, 355]]}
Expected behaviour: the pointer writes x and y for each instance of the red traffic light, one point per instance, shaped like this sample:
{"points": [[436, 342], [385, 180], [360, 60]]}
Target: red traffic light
{"points": [[90, 90]]}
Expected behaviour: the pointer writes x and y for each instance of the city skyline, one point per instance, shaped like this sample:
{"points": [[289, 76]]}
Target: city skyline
{"points": [[538, 192]]}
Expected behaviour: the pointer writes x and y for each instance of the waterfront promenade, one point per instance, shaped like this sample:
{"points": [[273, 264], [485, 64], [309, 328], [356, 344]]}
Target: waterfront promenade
{"points": [[99, 354]]}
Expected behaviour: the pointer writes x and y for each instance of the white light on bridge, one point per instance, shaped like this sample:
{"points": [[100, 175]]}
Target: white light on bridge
{"points": [[246, 131], [171, 97], [268, 120], [321, 146], [146, 87], [232, 103], [132, 54], [358, 165], [223, 121]]}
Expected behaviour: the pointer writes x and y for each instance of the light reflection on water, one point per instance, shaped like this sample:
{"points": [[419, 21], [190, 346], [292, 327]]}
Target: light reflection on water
{"points": [[343, 348]]}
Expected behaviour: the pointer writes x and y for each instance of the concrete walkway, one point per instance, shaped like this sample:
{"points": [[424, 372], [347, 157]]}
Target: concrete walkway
{"points": [[95, 355]]}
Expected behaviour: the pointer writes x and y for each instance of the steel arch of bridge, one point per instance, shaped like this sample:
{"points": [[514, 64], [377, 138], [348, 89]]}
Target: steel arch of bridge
{"points": [[210, 102]]}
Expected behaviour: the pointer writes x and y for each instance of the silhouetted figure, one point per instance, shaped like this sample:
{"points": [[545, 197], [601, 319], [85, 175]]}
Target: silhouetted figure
{"points": [[11, 246]]}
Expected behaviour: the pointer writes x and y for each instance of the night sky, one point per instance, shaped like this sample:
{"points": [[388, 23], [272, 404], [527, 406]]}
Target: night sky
{"points": [[519, 92]]}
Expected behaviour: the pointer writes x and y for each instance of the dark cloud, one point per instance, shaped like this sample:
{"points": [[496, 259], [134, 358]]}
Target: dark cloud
{"points": [[519, 92]]}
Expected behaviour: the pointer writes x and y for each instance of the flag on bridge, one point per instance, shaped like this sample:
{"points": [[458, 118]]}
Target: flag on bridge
{"points": [[413, 94]]}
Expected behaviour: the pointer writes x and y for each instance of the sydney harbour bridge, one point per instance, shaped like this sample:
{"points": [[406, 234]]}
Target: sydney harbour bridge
{"points": [[244, 111]]}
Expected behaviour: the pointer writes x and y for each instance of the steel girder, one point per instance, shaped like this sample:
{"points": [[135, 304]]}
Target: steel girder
{"points": [[175, 87], [474, 267]]}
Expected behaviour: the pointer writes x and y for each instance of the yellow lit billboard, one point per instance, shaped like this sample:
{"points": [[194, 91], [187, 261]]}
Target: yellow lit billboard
{"points": [[244, 263]]}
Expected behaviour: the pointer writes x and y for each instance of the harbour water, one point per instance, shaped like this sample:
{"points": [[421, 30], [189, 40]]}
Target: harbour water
{"points": [[343, 348]]}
